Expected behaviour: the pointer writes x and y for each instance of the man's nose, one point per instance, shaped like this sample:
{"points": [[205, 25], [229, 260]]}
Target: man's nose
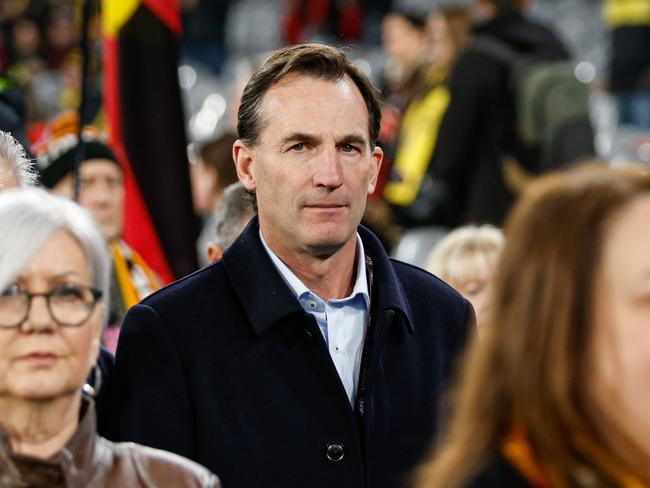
{"points": [[329, 172], [99, 194]]}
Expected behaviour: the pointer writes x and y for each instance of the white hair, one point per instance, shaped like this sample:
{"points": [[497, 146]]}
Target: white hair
{"points": [[29, 217], [466, 252], [13, 154]]}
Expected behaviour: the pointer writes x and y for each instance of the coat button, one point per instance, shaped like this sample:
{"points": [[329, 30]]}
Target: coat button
{"points": [[335, 452]]}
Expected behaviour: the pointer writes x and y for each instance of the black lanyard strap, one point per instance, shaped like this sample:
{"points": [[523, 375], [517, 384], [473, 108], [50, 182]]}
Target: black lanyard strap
{"points": [[362, 387]]}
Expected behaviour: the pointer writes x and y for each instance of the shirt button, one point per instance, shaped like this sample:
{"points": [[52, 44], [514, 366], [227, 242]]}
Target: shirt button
{"points": [[335, 452]]}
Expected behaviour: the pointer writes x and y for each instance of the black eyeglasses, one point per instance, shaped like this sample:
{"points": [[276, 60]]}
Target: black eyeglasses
{"points": [[69, 305]]}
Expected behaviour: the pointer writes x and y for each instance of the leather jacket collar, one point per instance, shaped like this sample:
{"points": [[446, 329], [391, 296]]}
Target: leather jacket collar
{"points": [[76, 465]]}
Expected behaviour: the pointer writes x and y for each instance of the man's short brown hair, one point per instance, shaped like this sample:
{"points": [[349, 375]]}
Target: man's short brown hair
{"points": [[506, 6], [315, 60]]}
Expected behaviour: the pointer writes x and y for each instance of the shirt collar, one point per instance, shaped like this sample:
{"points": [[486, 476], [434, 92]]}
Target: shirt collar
{"points": [[298, 287], [269, 299]]}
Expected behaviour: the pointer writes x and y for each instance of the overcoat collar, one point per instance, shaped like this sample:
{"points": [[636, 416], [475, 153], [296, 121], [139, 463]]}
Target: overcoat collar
{"points": [[267, 299]]}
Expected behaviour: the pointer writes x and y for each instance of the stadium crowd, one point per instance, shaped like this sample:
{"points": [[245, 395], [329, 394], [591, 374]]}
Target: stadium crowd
{"points": [[417, 268]]}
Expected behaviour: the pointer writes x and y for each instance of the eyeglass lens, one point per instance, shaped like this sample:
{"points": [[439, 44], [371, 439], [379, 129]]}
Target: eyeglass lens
{"points": [[68, 304]]}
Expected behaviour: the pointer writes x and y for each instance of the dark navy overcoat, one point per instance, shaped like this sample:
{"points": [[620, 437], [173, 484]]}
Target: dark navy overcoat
{"points": [[226, 368]]}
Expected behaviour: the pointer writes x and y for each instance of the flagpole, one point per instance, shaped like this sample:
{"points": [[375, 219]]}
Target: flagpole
{"points": [[80, 149]]}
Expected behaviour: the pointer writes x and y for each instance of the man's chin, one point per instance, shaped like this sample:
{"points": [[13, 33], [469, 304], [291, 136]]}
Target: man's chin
{"points": [[326, 246], [324, 250], [110, 233]]}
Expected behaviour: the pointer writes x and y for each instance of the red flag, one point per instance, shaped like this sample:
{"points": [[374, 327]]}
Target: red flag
{"points": [[145, 117]]}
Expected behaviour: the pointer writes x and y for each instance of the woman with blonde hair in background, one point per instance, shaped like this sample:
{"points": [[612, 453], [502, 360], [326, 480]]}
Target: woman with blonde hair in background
{"points": [[555, 394], [466, 259], [54, 278]]}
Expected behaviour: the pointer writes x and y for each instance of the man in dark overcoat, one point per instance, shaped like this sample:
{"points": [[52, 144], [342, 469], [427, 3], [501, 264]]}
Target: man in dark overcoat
{"points": [[305, 357]]}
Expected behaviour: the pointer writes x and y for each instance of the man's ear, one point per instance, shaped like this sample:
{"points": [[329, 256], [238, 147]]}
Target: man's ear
{"points": [[376, 159], [244, 157]]}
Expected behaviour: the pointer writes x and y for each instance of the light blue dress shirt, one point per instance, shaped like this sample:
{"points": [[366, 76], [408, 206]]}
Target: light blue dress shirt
{"points": [[342, 321]]}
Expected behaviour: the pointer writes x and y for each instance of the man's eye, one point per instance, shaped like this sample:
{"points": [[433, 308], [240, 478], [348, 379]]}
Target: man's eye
{"points": [[298, 147], [348, 148]]}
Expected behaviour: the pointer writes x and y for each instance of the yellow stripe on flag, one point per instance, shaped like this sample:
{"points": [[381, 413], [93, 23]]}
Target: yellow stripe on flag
{"points": [[115, 13]]}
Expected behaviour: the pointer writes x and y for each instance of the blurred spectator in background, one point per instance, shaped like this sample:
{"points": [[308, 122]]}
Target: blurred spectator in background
{"points": [[12, 109], [466, 259], [39, 41], [404, 44], [26, 42], [101, 190], [16, 170], [62, 33], [629, 74], [408, 190], [478, 131], [404, 41], [555, 392], [322, 20], [230, 217], [204, 27], [405, 47], [68, 82], [212, 170], [21, 28], [54, 275]]}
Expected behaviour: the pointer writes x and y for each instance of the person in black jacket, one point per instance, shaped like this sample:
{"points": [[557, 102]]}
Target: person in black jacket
{"points": [[478, 129], [304, 357], [629, 69]]}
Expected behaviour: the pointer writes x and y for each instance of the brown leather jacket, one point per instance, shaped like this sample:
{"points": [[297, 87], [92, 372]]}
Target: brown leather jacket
{"points": [[89, 460]]}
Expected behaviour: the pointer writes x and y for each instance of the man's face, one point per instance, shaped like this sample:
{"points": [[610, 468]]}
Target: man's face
{"points": [[313, 166], [101, 191]]}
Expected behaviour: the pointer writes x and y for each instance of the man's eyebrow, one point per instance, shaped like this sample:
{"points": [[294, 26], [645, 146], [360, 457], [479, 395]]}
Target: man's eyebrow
{"points": [[298, 137], [353, 139], [310, 138]]}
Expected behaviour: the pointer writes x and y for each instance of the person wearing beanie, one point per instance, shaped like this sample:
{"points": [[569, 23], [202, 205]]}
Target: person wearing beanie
{"points": [[101, 191]]}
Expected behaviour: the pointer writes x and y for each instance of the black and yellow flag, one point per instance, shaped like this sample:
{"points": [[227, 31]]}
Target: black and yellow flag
{"points": [[145, 118]]}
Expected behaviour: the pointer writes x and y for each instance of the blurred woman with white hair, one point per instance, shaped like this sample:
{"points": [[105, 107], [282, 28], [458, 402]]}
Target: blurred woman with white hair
{"points": [[54, 274]]}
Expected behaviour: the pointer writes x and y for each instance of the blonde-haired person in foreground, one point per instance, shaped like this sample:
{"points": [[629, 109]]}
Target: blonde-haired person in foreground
{"points": [[555, 394], [54, 275], [466, 258]]}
